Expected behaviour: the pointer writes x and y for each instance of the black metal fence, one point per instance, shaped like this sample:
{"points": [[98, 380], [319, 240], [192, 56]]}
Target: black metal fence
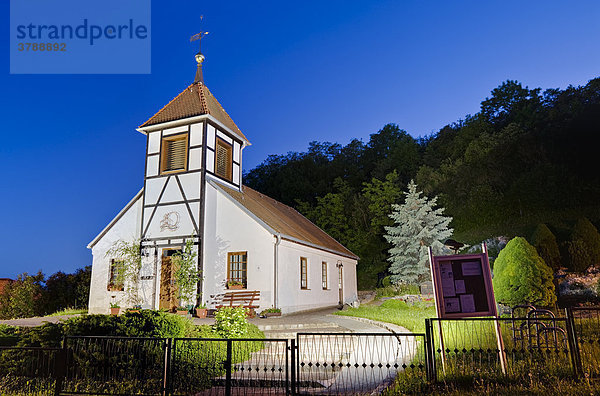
{"points": [[493, 347], [32, 371], [312, 363], [229, 367], [585, 322], [351, 363], [115, 365]]}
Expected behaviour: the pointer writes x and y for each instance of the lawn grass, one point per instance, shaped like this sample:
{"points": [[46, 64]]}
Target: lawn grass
{"points": [[532, 386], [69, 311], [410, 316]]}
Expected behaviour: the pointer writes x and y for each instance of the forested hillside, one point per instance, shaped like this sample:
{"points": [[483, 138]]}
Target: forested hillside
{"points": [[527, 157]]}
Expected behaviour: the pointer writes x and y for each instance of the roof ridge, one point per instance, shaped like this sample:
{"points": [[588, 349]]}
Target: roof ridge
{"points": [[165, 106], [221, 108], [202, 97], [296, 211]]}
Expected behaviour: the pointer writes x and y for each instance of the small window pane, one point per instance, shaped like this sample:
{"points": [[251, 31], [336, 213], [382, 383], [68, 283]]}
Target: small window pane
{"points": [[115, 281], [238, 265], [303, 273]]}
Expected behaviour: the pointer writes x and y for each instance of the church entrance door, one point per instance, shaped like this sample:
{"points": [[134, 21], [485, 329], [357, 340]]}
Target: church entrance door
{"points": [[168, 288]]}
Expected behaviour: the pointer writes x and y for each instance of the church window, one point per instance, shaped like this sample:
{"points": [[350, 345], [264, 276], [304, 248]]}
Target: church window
{"points": [[174, 154], [237, 268], [303, 273], [324, 275], [223, 159], [115, 281]]}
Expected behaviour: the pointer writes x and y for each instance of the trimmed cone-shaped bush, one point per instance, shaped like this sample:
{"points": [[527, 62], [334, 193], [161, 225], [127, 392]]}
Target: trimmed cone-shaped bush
{"points": [[579, 255], [544, 242], [585, 232], [522, 277]]}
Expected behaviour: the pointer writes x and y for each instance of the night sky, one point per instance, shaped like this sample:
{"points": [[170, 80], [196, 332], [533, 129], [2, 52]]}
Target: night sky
{"points": [[287, 72]]}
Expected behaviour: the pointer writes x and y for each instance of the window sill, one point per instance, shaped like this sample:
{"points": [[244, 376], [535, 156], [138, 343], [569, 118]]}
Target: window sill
{"points": [[172, 171], [305, 288]]}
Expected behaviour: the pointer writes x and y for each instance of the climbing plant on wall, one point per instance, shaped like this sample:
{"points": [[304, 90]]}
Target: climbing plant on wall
{"points": [[186, 273], [128, 260]]}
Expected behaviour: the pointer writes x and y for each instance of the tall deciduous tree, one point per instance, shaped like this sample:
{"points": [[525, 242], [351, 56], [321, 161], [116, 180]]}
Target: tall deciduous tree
{"points": [[418, 225]]}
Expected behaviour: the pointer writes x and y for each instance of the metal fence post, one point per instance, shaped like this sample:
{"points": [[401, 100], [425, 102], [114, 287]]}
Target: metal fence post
{"points": [[60, 368], [167, 367], [427, 351], [430, 350], [293, 366], [227, 364], [573, 344]]}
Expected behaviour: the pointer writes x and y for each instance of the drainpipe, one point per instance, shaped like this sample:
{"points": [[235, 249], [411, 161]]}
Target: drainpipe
{"points": [[154, 305], [275, 271]]}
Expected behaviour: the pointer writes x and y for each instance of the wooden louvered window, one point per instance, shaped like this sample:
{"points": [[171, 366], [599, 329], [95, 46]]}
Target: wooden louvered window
{"points": [[223, 159], [174, 154]]}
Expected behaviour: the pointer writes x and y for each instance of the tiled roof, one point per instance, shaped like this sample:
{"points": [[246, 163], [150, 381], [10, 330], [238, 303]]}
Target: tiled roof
{"points": [[285, 220], [193, 101]]}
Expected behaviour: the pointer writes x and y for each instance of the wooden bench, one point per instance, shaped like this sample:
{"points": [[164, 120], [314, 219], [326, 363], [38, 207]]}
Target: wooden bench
{"points": [[244, 298]]}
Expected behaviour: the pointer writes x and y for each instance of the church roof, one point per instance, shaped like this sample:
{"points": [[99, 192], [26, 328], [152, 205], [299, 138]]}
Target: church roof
{"points": [[285, 220], [195, 100]]}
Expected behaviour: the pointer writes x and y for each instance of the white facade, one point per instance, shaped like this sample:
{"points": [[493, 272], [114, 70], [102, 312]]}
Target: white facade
{"points": [[194, 202]]}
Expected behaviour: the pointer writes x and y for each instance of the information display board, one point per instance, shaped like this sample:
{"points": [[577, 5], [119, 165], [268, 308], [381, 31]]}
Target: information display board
{"points": [[463, 285]]}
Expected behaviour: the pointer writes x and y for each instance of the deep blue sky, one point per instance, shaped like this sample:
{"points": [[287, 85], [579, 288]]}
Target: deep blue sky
{"points": [[287, 72]]}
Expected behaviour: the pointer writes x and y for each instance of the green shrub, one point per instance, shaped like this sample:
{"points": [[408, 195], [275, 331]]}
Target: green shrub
{"points": [[399, 290], [146, 323], [230, 322], [388, 291], [584, 247], [522, 277], [387, 281], [545, 243], [22, 297], [579, 257]]}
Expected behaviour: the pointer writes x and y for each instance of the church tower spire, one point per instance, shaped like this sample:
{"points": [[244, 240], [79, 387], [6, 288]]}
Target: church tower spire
{"points": [[199, 79]]}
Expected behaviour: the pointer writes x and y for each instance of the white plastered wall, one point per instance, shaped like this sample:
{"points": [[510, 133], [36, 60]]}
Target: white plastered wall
{"points": [[292, 298], [127, 228], [229, 229]]}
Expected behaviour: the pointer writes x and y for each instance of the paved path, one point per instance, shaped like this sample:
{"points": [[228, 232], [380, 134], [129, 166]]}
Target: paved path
{"points": [[36, 321]]}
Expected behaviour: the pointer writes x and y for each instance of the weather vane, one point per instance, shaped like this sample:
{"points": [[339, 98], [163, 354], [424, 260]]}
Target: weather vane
{"points": [[199, 56]]}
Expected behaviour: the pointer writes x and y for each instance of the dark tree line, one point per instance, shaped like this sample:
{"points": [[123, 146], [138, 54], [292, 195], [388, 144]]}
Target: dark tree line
{"points": [[527, 157], [35, 295]]}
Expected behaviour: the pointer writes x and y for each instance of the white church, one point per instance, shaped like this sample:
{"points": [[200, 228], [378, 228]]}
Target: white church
{"points": [[193, 189]]}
